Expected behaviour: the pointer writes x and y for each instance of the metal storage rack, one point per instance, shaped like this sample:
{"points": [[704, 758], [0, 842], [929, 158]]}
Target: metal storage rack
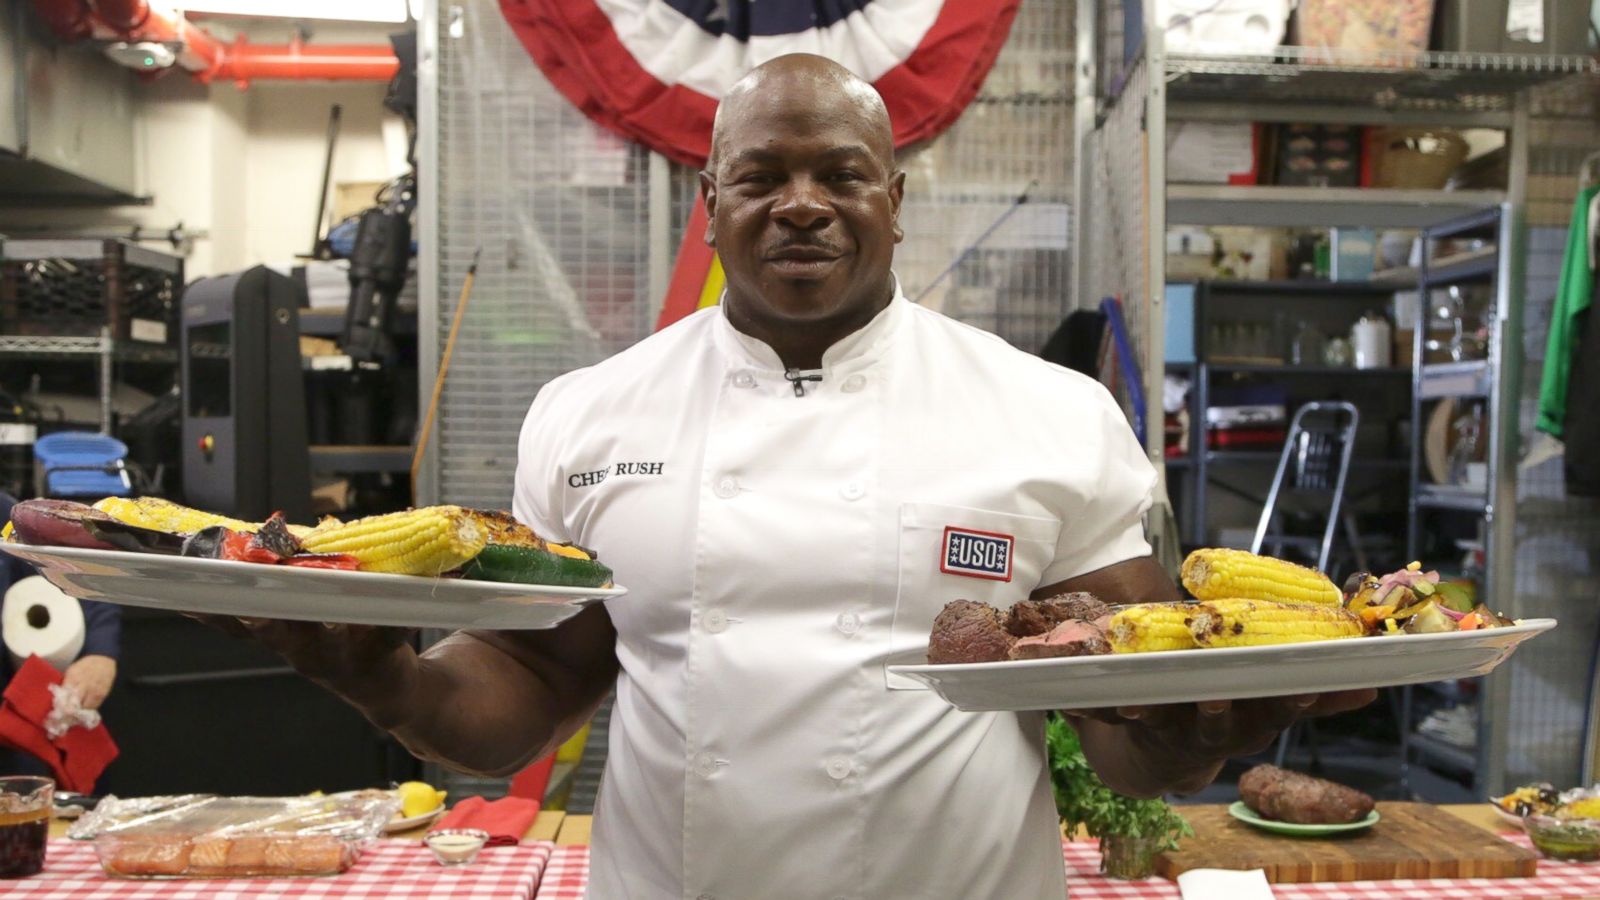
{"points": [[1127, 89], [113, 345], [1494, 379], [1192, 502]]}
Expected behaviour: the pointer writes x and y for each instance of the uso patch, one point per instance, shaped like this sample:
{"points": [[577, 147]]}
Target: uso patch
{"points": [[976, 554]]}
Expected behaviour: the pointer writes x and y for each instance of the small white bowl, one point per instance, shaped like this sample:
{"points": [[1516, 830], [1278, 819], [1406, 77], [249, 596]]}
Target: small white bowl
{"points": [[456, 846]]}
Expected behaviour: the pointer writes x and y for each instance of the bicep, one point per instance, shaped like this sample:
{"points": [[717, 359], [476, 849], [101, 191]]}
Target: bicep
{"points": [[1139, 580]]}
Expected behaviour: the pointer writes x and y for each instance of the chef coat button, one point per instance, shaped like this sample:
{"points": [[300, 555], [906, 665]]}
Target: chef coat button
{"points": [[727, 487], [852, 491], [705, 765], [744, 380], [838, 768], [854, 383], [715, 621], [847, 623]]}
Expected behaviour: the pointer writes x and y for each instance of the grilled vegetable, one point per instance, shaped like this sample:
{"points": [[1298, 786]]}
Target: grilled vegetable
{"points": [[556, 565], [56, 523], [274, 538], [500, 527], [1150, 627], [1217, 574], [164, 515], [1248, 623], [1431, 619], [134, 538], [427, 541], [207, 542]]}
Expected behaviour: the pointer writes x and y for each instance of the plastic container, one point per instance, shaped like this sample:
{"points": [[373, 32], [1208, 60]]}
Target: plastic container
{"points": [[1231, 27], [1351, 28], [201, 836]]}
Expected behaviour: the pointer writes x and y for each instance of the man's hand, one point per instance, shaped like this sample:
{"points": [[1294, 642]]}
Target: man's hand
{"points": [[91, 676], [1145, 751], [365, 664]]}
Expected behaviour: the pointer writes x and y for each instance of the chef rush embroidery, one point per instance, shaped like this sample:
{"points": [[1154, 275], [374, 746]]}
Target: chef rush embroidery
{"points": [[976, 554], [590, 479]]}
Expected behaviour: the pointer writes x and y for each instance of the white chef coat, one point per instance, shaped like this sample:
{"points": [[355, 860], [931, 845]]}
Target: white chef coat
{"points": [[779, 552]]}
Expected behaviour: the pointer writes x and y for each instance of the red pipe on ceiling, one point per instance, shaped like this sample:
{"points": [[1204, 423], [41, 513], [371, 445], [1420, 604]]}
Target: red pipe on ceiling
{"points": [[207, 58]]}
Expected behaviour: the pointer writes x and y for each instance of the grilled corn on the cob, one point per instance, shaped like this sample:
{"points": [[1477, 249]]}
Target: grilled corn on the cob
{"points": [[1151, 626], [502, 528], [164, 515], [1217, 574], [1248, 623], [427, 541]]}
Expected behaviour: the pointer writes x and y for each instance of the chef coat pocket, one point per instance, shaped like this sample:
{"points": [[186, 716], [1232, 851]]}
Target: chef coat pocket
{"points": [[960, 553]]}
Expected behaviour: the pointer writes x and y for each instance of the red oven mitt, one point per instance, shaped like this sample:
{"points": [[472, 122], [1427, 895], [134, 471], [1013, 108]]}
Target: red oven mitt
{"points": [[506, 819]]}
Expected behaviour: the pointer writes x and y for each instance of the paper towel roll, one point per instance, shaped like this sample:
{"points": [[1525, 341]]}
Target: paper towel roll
{"points": [[37, 619]]}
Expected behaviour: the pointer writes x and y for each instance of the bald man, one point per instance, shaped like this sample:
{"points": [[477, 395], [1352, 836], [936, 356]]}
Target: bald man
{"points": [[778, 481]]}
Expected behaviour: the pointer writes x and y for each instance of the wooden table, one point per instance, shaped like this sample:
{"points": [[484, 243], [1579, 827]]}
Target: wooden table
{"points": [[576, 828]]}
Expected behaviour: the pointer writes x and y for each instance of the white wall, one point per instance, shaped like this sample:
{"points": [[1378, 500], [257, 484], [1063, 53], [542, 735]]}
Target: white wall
{"points": [[243, 165]]}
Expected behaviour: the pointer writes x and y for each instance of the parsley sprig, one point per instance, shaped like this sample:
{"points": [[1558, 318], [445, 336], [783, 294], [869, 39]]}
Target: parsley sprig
{"points": [[1082, 799]]}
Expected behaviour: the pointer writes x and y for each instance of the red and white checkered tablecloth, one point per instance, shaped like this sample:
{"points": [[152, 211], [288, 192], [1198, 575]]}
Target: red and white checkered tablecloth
{"points": [[568, 872], [566, 875], [388, 870]]}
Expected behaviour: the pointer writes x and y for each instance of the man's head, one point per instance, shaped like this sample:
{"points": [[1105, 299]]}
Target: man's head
{"points": [[802, 193]]}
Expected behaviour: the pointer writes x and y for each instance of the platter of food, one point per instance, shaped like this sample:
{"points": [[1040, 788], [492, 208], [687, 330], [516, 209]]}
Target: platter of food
{"points": [[1544, 803], [1258, 627], [436, 567]]}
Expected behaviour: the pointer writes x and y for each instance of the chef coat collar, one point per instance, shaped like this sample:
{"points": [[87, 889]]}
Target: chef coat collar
{"points": [[861, 346]]}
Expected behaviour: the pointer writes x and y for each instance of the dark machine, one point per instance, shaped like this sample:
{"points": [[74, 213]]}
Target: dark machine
{"points": [[245, 451], [383, 239]]}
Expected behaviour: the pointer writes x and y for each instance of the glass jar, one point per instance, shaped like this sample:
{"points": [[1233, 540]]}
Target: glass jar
{"points": [[1308, 345], [1129, 856], [1336, 354]]}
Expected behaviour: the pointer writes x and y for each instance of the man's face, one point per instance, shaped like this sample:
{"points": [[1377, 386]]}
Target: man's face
{"points": [[803, 204]]}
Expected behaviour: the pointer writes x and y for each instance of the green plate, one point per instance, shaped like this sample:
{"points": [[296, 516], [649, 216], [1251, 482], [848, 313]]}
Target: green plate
{"points": [[1247, 815]]}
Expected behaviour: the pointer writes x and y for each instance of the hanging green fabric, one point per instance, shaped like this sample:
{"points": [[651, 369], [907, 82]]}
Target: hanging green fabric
{"points": [[1572, 297]]}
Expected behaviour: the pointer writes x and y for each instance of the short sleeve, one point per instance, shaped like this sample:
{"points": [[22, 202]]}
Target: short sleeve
{"points": [[536, 498], [1107, 525]]}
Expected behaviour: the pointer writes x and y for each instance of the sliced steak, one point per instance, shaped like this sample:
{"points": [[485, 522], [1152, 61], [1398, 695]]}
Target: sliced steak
{"points": [[1276, 793], [1030, 617], [1073, 637], [968, 632]]}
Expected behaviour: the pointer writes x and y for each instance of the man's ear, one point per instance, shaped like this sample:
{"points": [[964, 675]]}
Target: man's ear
{"points": [[708, 192], [897, 192]]}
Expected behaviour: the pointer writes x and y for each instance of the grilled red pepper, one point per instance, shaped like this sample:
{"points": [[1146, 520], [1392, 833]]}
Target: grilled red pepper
{"points": [[241, 546], [324, 561]]}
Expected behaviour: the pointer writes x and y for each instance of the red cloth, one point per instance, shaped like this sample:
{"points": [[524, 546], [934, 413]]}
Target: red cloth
{"points": [[506, 819], [78, 757]]}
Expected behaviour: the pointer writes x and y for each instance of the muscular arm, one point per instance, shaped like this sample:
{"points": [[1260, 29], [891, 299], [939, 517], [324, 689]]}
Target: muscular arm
{"points": [[480, 701], [1152, 750], [1139, 580]]}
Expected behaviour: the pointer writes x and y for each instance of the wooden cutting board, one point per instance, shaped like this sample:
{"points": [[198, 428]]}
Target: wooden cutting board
{"points": [[1410, 840]]}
